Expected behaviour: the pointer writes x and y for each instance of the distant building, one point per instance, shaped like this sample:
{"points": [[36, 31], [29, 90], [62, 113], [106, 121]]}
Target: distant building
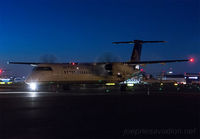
{"points": [[192, 78], [187, 78], [179, 78]]}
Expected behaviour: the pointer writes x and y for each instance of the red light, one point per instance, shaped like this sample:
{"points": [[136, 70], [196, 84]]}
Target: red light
{"points": [[141, 70], [73, 63], [191, 60], [1, 71]]}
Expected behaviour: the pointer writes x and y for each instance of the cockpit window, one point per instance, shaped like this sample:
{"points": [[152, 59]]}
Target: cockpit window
{"points": [[42, 69]]}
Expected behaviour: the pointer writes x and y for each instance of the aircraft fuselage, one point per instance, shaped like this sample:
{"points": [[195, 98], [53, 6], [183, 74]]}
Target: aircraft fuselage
{"points": [[83, 73]]}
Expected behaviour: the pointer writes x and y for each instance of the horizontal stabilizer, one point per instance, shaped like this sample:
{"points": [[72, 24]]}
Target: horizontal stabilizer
{"points": [[136, 53], [138, 41]]}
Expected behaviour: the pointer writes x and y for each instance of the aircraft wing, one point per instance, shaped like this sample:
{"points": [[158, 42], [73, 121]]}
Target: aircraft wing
{"points": [[37, 63], [25, 63], [150, 62], [96, 63]]}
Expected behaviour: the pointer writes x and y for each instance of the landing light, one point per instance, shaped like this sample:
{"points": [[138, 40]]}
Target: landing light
{"points": [[33, 86]]}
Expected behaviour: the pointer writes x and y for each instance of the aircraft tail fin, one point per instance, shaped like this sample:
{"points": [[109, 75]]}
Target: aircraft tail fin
{"points": [[136, 53]]}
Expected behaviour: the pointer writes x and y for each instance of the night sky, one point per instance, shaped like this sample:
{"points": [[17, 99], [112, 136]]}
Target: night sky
{"points": [[83, 30]]}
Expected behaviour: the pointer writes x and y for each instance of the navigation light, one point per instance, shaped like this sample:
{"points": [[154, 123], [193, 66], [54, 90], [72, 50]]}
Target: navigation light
{"points": [[191, 59]]}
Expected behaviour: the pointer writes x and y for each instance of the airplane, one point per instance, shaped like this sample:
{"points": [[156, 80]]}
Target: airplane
{"points": [[63, 75]]}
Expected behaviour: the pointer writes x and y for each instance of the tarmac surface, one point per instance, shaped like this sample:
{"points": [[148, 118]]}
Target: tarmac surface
{"points": [[97, 114]]}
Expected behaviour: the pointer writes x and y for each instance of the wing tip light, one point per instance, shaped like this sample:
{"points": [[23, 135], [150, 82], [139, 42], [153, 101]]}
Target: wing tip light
{"points": [[191, 60]]}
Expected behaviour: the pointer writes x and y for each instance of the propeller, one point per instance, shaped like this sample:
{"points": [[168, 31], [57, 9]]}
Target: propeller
{"points": [[105, 69], [48, 58], [107, 58]]}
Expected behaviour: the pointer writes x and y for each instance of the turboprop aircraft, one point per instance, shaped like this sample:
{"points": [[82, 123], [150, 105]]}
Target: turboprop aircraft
{"points": [[66, 74]]}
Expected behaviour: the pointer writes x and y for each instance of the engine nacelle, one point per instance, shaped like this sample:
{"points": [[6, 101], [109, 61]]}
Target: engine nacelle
{"points": [[108, 67]]}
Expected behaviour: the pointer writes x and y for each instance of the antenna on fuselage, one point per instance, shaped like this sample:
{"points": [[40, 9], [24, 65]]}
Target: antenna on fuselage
{"points": [[136, 53]]}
